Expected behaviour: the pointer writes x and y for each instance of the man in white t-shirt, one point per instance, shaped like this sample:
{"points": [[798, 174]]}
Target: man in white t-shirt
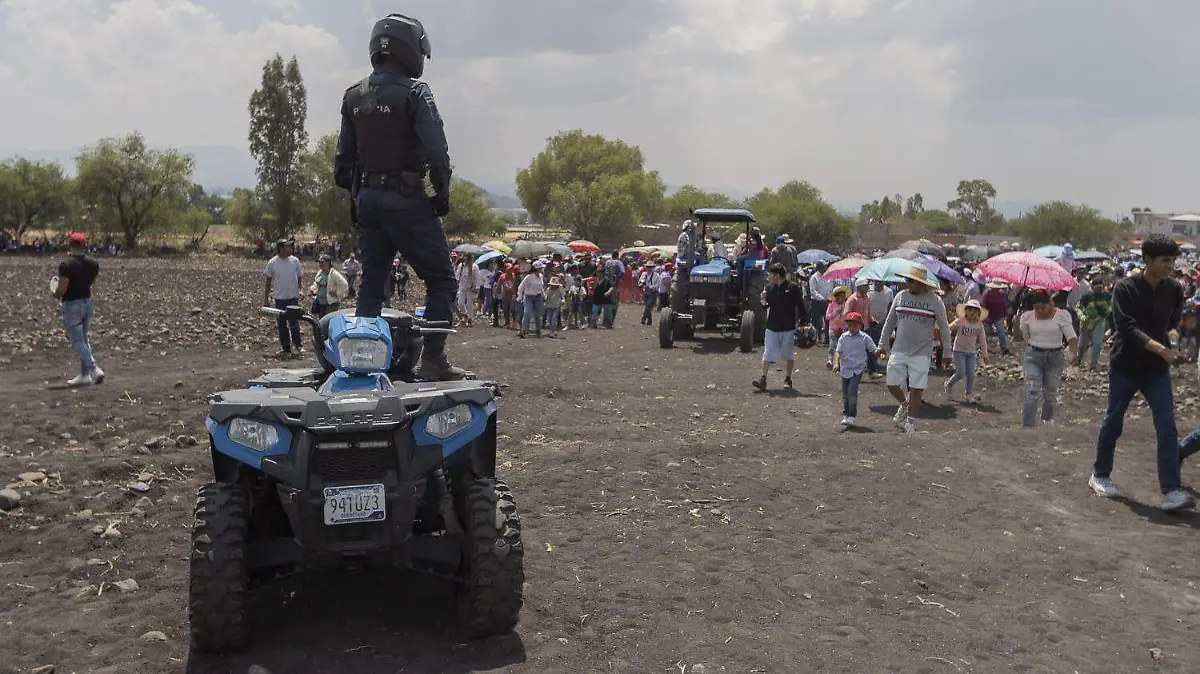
{"points": [[284, 280]]}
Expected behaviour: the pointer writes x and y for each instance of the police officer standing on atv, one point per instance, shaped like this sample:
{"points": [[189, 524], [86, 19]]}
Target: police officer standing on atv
{"points": [[391, 136]]}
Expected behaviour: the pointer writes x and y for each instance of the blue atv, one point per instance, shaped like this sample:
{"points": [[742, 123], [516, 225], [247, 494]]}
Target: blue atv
{"points": [[342, 466]]}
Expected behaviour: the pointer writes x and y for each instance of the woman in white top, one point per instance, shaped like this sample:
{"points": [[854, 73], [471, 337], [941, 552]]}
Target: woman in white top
{"points": [[1045, 330]]}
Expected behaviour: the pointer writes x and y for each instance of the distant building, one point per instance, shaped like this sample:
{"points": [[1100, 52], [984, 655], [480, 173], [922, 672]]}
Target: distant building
{"points": [[1185, 225]]}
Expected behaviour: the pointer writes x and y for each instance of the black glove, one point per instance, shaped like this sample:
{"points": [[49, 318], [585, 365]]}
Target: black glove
{"points": [[441, 205]]}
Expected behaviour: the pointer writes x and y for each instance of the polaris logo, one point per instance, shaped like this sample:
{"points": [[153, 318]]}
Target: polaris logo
{"points": [[357, 419]]}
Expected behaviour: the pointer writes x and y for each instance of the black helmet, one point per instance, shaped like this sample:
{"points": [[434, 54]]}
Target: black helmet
{"points": [[404, 38]]}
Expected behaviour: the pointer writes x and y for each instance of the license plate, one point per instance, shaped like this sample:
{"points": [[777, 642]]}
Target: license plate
{"points": [[359, 503]]}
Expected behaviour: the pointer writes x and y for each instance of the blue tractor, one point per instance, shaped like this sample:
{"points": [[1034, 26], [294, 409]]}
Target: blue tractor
{"points": [[340, 466], [716, 291]]}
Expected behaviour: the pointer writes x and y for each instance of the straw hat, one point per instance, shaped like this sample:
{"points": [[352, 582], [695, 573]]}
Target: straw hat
{"points": [[555, 282], [920, 275], [839, 290], [961, 310]]}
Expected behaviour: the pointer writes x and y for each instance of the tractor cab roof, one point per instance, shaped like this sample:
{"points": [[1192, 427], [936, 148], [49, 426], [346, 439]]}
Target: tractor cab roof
{"points": [[723, 215]]}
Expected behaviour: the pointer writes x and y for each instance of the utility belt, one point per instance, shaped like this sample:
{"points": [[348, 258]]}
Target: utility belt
{"points": [[408, 183]]}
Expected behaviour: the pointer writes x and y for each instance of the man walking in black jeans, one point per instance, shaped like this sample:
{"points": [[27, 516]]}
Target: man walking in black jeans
{"points": [[1145, 309], [284, 281]]}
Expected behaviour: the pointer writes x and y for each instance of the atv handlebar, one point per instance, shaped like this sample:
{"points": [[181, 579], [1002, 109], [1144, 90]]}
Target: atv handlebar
{"points": [[298, 313]]}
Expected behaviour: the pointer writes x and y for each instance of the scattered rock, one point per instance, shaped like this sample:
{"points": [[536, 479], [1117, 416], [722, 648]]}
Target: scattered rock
{"points": [[258, 669], [186, 441], [141, 487], [111, 532], [44, 669], [96, 561], [84, 514], [34, 476], [9, 499], [153, 443], [144, 503], [153, 635], [178, 384], [128, 585]]}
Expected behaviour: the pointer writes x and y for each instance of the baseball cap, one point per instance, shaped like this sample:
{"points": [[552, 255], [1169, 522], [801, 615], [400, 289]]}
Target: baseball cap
{"points": [[855, 317], [77, 239], [325, 258]]}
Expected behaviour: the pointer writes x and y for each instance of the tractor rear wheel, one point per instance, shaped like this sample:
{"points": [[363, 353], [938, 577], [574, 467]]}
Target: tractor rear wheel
{"points": [[746, 337], [489, 602], [666, 329], [218, 591]]}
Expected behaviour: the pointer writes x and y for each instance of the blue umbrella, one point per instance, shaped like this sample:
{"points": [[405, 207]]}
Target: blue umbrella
{"points": [[888, 269], [814, 256], [482, 260], [1052, 252], [942, 270]]}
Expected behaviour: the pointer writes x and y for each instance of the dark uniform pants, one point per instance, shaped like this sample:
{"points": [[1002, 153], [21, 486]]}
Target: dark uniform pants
{"points": [[389, 222]]}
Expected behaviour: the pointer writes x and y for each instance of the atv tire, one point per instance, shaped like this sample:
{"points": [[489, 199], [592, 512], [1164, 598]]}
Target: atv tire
{"points": [[746, 336], [489, 602], [219, 586], [666, 329]]}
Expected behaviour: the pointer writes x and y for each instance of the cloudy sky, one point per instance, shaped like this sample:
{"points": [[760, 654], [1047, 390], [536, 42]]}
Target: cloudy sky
{"points": [[1086, 100]]}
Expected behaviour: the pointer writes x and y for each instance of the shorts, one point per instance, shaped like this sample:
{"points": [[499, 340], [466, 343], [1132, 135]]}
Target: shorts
{"points": [[779, 345], [910, 371]]}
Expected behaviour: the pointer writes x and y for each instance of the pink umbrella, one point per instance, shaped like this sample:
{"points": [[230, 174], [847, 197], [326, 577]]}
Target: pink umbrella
{"points": [[1027, 269], [844, 270]]}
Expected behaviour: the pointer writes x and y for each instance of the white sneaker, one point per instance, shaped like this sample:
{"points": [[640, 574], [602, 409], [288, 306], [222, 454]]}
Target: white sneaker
{"points": [[901, 415], [81, 380], [845, 421], [97, 376], [909, 426], [949, 388], [1177, 500], [973, 399], [850, 421], [1102, 486], [1048, 423]]}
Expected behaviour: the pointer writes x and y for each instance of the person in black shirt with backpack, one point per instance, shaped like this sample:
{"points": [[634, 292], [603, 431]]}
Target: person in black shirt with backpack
{"points": [[74, 287]]}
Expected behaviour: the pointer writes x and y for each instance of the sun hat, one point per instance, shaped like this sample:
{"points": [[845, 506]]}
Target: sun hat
{"points": [[787, 238], [961, 309], [997, 284], [555, 282], [920, 275], [839, 290], [854, 317]]}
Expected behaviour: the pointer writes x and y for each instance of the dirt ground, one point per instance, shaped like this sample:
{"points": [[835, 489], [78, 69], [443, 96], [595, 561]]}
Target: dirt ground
{"points": [[675, 521]]}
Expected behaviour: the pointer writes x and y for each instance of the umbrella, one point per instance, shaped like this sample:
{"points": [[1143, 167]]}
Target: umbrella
{"points": [[1028, 269], [888, 269], [526, 249], [469, 249], [1052, 252], [844, 270], [814, 256], [487, 257], [924, 246], [942, 270], [582, 246], [1091, 256], [980, 253], [557, 248], [904, 254], [498, 245]]}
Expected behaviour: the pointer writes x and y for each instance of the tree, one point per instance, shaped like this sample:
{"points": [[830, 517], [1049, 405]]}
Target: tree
{"points": [[134, 190], [328, 204], [471, 212], [914, 205], [247, 214], [938, 221], [278, 141], [1055, 222], [193, 223], [811, 222], [584, 168], [677, 207], [602, 210], [32, 194], [973, 207]]}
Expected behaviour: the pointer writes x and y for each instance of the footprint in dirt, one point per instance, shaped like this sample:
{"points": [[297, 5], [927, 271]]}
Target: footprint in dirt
{"points": [[361, 621]]}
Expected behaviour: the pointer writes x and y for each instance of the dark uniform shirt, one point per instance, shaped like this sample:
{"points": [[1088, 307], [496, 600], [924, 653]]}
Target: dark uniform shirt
{"points": [[785, 306], [1142, 313], [81, 272]]}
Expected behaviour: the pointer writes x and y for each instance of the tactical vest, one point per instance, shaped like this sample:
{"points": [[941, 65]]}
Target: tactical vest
{"points": [[383, 123]]}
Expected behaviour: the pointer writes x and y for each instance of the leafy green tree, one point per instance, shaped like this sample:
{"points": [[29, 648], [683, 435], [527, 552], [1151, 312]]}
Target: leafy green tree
{"points": [[1056, 222], [471, 213], [278, 141], [247, 214], [32, 194], [131, 189], [914, 205], [577, 169], [688, 198], [328, 204], [938, 221], [974, 206], [812, 222]]}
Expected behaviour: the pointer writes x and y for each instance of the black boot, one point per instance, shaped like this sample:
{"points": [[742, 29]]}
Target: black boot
{"points": [[436, 367]]}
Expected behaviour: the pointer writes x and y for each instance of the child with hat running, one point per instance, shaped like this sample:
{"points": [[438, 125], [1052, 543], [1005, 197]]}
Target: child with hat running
{"points": [[850, 358], [969, 346]]}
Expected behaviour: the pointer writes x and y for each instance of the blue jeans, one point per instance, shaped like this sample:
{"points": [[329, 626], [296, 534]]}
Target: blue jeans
{"points": [[77, 318], [964, 368], [609, 312], [996, 323], [1043, 377], [552, 316], [1158, 394], [850, 395], [648, 312], [1095, 339], [531, 313]]}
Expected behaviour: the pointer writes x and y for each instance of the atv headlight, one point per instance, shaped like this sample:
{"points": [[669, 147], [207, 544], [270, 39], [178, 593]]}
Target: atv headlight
{"points": [[253, 434], [362, 354], [448, 422]]}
